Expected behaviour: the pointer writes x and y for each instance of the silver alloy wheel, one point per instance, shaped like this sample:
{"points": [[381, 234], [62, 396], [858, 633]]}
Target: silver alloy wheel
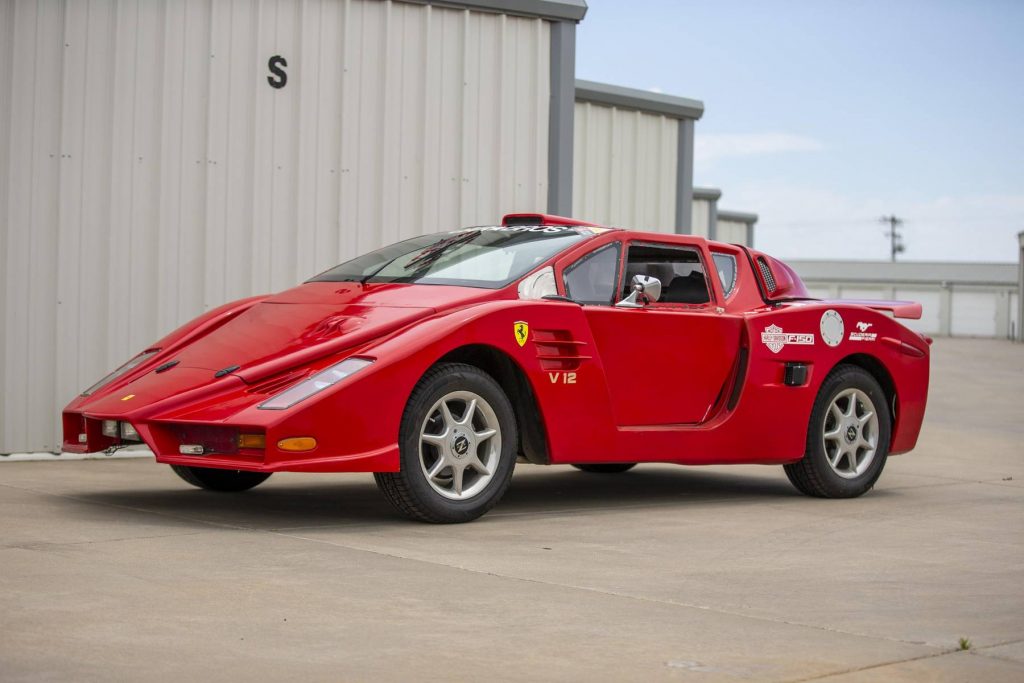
{"points": [[460, 445], [850, 433]]}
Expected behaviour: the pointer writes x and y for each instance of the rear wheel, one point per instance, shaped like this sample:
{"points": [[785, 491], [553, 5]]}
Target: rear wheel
{"points": [[458, 447], [607, 467], [220, 480], [847, 439]]}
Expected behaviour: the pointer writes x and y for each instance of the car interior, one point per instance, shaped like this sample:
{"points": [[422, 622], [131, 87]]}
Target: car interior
{"points": [[679, 270]]}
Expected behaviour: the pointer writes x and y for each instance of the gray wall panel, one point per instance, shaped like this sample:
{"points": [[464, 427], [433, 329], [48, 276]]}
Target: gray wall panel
{"points": [[625, 164], [149, 172]]}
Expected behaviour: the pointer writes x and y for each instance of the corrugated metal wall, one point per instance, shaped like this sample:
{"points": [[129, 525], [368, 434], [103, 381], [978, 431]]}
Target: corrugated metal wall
{"points": [[624, 167], [148, 171], [701, 216], [733, 232]]}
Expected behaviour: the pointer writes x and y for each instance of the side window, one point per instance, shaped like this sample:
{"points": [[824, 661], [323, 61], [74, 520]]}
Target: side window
{"points": [[679, 269], [726, 265], [591, 280]]}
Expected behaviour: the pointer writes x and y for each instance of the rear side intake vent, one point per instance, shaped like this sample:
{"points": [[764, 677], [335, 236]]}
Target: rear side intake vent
{"points": [[766, 275]]}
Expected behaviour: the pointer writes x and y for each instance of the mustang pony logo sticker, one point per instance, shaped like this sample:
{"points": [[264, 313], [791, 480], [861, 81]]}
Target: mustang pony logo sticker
{"points": [[774, 338], [862, 334], [522, 331], [832, 327]]}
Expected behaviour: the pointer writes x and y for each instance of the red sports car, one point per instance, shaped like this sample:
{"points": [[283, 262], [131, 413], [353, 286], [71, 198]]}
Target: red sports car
{"points": [[439, 362]]}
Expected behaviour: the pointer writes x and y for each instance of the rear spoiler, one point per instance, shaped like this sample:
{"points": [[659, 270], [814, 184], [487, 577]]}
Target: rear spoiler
{"points": [[910, 310]]}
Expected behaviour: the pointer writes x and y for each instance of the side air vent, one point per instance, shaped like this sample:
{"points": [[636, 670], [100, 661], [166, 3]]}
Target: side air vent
{"points": [[766, 275], [557, 350]]}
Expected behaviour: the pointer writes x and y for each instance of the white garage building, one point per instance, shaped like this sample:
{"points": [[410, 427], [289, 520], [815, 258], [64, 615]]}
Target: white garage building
{"points": [[959, 299]]}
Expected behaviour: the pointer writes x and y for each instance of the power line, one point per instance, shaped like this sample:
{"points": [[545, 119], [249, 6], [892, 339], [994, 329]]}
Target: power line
{"points": [[894, 235]]}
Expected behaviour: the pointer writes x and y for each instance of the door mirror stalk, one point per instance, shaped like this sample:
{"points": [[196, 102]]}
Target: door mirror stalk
{"points": [[646, 289]]}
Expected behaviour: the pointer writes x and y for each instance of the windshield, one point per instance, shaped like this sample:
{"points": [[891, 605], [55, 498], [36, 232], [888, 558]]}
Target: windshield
{"points": [[477, 257]]}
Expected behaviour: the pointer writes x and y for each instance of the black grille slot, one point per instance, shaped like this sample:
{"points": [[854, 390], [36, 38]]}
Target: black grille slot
{"points": [[766, 274]]}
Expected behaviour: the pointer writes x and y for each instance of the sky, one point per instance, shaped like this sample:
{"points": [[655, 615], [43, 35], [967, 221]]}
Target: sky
{"points": [[823, 116]]}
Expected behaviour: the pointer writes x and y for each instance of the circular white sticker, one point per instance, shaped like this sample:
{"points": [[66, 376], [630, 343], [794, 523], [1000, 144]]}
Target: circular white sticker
{"points": [[832, 327]]}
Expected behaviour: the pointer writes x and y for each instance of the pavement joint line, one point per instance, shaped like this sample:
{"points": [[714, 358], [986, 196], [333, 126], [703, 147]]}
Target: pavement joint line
{"points": [[59, 544], [952, 651], [609, 593], [980, 651], [869, 667]]}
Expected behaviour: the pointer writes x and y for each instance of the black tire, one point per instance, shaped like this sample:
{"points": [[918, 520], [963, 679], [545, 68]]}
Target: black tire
{"points": [[213, 479], [409, 490], [813, 475], [607, 468]]}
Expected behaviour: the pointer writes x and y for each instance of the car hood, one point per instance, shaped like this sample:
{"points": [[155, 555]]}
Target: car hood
{"points": [[315, 320], [284, 332]]}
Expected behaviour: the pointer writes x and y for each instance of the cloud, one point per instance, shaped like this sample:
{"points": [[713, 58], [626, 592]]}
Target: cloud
{"points": [[712, 147]]}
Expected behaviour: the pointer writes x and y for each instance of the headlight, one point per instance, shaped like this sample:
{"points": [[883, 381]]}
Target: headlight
{"points": [[130, 365], [128, 433], [315, 384]]}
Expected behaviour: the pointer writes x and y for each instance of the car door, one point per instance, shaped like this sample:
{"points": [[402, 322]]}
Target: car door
{"points": [[668, 362]]}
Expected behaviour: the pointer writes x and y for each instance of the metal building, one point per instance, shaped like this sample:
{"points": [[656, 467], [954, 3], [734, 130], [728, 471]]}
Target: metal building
{"points": [[736, 227], [718, 224], [160, 157], [705, 211], [959, 299], [1020, 287], [633, 158]]}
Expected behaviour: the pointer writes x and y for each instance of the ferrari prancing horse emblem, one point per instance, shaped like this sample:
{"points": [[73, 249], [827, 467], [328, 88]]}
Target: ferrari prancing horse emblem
{"points": [[522, 332]]}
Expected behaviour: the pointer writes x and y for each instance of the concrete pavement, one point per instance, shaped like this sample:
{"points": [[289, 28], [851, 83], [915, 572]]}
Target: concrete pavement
{"points": [[116, 570]]}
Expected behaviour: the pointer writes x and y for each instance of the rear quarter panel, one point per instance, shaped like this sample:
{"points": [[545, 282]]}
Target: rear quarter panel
{"points": [[869, 338]]}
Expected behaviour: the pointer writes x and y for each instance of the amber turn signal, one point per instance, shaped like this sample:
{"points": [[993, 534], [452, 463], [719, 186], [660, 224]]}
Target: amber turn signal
{"points": [[252, 441], [297, 443]]}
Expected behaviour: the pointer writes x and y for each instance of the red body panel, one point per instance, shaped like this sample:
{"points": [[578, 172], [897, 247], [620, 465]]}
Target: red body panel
{"points": [[690, 384]]}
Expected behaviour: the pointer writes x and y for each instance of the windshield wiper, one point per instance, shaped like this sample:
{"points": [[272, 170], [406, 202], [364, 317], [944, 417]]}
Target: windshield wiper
{"points": [[424, 258], [428, 256], [362, 280]]}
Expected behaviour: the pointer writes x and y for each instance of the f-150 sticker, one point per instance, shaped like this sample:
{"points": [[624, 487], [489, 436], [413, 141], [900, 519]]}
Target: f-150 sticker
{"points": [[774, 338], [862, 333]]}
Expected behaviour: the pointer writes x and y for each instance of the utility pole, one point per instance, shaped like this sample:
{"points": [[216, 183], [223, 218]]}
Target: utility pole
{"points": [[894, 235]]}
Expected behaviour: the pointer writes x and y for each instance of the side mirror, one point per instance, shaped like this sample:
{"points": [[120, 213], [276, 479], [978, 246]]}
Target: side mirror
{"points": [[645, 290]]}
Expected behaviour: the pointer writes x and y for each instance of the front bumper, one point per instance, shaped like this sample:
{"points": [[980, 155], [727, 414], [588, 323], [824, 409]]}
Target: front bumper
{"points": [[83, 434]]}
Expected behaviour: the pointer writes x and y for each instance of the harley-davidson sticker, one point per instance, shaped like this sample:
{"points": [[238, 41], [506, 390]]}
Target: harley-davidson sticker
{"points": [[522, 331], [862, 333], [774, 338], [832, 327]]}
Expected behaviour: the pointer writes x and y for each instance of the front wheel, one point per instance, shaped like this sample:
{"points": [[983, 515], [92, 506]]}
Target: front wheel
{"points": [[213, 479], [607, 467], [847, 439], [457, 445]]}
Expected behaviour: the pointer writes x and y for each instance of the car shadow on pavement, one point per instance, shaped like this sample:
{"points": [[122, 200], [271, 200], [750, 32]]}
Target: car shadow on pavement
{"points": [[293, 501], [567, 488]]}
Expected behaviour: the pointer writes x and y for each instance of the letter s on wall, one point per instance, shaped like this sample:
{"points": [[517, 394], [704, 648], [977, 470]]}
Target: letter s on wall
{"points": [[279, 77]]}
